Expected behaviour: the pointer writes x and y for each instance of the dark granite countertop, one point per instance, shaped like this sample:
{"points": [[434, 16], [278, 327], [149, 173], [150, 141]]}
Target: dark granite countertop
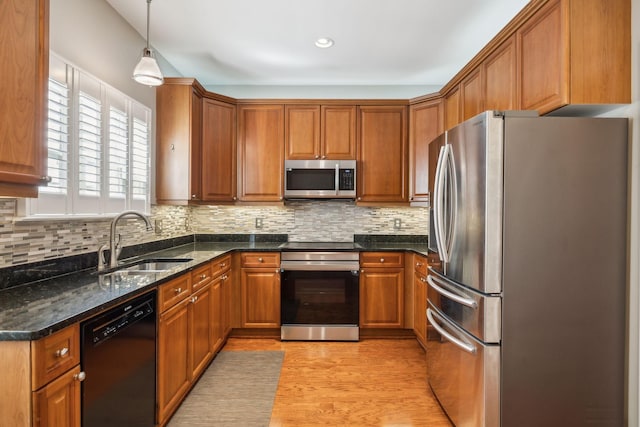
{"points": [[35, 310]]}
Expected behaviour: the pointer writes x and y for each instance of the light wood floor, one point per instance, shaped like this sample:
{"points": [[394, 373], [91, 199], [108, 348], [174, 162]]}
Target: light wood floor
{"points": [[374, 382]]}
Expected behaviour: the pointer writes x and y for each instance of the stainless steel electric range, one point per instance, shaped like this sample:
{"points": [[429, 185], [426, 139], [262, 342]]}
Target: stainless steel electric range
{"points": [[320, 291]]}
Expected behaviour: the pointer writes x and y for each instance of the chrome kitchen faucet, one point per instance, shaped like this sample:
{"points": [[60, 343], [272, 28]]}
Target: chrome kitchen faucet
{"points": [[114, 246]]}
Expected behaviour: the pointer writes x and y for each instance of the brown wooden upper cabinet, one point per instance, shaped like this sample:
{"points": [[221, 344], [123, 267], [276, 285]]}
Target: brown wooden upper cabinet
{"points": [[575, 52], [472, 94], [426, 122], [499, 73], [452, 112], [382, 160], [178, 142], [261, 152], [320, 132], [219, 164], [23, 111]]}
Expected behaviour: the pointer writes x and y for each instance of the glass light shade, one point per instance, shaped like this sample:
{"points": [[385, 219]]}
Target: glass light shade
{"points": [[147, 72]]}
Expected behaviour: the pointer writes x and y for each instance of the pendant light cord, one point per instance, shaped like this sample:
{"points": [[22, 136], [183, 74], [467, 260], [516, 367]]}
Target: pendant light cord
{"points": [[148, 20]]}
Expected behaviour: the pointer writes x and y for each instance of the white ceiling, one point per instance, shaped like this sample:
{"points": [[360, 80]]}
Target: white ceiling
{"points": [[377, 42]]}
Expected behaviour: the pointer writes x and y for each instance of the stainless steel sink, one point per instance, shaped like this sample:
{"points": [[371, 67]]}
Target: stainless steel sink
{"points": [[149, 266]]}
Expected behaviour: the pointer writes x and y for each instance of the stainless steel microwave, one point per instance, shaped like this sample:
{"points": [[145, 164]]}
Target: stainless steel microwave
{"points": [[320, 179]]}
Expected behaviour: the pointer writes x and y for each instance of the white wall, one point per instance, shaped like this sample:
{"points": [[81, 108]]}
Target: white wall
{"points": [[91, 35]]}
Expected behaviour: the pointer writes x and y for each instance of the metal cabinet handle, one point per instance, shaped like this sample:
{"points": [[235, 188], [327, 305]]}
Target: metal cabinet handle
{"points": [[260, 260], [419, 264], [381, 259], [194, 298], [177, 290], [203, 276], [80, 376], [62, 352], [223, 264]]}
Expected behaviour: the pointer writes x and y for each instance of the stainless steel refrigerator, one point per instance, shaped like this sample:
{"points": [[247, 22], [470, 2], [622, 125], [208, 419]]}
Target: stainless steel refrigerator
{"points": [[527, 301]]}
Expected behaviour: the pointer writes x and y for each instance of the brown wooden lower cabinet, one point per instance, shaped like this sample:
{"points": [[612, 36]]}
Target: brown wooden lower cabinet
{"points": [[381, 290], [260, 290], [41, 380], [420, 299]]}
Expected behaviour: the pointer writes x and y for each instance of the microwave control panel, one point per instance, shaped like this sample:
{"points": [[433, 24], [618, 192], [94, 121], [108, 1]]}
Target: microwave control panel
{"points": [[347, 179]]}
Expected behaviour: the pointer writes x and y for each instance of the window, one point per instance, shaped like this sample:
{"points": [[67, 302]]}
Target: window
{"points": [[98, 147]]}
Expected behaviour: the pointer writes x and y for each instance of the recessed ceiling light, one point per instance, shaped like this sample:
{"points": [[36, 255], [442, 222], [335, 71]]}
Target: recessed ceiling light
{"points": [[324, 42]]}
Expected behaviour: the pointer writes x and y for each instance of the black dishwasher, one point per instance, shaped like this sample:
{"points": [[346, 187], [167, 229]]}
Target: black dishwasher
{"points": [[119, 358]]}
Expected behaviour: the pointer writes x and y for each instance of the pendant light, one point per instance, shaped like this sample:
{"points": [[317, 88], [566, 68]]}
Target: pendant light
{"points": [[147, 72]]}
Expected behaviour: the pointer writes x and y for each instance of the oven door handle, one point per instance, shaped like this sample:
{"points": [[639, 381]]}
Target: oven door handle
{"points": [[469, 348], [319, 266]]}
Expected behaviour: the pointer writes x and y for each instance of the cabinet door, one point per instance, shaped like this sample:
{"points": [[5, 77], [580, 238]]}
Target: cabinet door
{"points": [[227, 291], [58, 403], [24, 67], [472, 94], [261, 150], [543, 46], [201, 322], [260, 297], [452, 108], [302, 132], [381, 297], [420, 308], [218, 314], [178, 144], [425, 123], [382, 162], [338, 133], [218, 152], [500, 77], [174, 375]]}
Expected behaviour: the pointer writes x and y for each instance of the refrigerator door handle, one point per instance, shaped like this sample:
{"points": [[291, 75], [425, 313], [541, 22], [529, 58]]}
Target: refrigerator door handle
{"points": [[469, 348], [438, 215], [457, 298], [452, 200]]}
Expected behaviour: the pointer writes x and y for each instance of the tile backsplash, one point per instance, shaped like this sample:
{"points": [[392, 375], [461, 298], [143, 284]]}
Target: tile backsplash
{"points": [[32, 241]]}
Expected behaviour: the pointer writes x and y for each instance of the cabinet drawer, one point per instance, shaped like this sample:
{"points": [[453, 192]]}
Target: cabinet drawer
{"points": [[55, 354], [381, 259], [173, 292], [420, 264], [260, 259], [220, 265], [201, 276]]}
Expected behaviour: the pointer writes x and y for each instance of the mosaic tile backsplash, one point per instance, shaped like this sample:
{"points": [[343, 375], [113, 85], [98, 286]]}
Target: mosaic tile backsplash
{"points": [[33, 241]]}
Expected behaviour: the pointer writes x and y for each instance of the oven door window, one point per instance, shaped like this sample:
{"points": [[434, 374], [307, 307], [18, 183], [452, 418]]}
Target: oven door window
{"points": [[319, 298]]}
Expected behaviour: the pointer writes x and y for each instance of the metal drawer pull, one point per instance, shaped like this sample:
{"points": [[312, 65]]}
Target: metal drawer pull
{"points": [[469, 348], [80, 376], [62, 352], [260, 260], [177, 290], [381, 259], [457, 298], [194, 299], [203, 276]]}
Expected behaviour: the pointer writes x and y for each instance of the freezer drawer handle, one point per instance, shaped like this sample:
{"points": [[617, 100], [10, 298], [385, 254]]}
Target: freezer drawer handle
{"points": [[457, 298], [469, 348]]}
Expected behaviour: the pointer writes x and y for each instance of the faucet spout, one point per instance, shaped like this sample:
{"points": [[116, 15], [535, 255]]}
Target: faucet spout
{"points": [[114, 246]]}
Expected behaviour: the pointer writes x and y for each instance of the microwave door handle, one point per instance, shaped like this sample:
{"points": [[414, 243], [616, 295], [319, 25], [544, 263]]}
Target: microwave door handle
{"points": [[469, 348], [457, 298], [437, 204], [337, 182]]}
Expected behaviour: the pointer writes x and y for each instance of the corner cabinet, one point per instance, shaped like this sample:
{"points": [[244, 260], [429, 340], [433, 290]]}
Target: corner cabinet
{"points": [[261, 152], [178, 142], [426, 122], [219, 164], [382, 159], [24, 59], [41, 380], [381, 289]]}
